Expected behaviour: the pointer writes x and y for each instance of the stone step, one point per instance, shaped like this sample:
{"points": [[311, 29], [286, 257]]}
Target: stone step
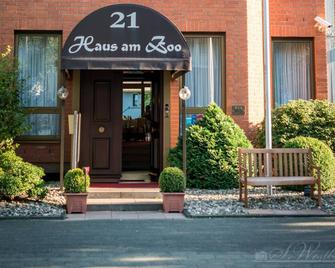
{"points": [[124, 204], [124, 193]]}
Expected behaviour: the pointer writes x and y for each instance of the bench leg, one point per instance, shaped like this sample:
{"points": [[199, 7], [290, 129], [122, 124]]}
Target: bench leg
{"points": [[312, 190], [319, 192], [246, 196], [240, 199]]}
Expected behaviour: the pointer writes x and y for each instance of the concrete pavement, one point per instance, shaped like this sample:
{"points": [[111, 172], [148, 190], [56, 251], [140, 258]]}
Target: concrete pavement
{"points": [[220, 242]]}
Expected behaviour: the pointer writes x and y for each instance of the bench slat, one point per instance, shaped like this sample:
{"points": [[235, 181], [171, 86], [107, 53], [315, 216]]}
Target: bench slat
{"points": [[260, 164], [301, 167], [280, 164], [285, 165], [295, 164], [263, 181]]}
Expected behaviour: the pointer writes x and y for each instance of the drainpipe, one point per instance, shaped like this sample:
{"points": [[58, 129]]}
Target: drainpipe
{"points": [[267, 85]]}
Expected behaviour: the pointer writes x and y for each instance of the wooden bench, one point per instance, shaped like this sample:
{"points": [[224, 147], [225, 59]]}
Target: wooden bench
{"points": [[264, 167]]}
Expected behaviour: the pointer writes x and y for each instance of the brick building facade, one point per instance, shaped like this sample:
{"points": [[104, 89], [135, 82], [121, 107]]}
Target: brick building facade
{"points": [[235, 25]]}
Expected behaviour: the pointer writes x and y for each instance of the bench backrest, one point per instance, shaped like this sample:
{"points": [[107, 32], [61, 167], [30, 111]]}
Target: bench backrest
{"points": [[275, 162]]}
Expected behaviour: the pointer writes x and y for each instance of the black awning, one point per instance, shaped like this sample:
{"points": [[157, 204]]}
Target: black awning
{"points": [[126, 37]]}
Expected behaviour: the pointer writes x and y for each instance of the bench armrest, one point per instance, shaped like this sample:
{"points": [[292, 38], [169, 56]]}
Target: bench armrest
{"points": [[243, 172], [317, 168]]}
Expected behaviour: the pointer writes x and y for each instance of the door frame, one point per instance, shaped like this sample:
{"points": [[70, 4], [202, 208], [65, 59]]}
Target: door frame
{"points": [[157, 78]]}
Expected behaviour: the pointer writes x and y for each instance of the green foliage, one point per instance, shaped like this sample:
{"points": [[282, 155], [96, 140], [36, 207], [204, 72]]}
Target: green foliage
{"points": [[8, 145], [211, 151], [20, 178], [12, 117], [75, 181], [313, 118], [322, 157], [172, 180]]}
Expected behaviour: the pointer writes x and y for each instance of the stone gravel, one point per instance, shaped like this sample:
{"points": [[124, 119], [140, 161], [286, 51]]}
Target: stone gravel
{"points": [[225, 202], [51, 206]]}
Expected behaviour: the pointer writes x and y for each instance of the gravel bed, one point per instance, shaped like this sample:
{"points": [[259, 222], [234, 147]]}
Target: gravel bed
{"points": [[50, 206], [225, 202]]}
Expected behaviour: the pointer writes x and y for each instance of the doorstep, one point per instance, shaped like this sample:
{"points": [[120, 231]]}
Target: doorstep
{"points": [[125, 215], [125, 204]]}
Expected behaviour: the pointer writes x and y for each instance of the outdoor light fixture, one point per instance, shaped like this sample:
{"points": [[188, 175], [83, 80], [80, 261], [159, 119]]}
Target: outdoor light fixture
{"points": [[62, 93], [184, 94]]}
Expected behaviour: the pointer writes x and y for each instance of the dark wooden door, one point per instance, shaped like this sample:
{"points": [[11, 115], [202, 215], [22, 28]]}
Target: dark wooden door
{"points": [[101, 132]]}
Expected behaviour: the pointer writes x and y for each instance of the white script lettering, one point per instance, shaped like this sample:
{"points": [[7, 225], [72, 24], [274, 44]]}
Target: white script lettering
{"points": [[158, 43]]}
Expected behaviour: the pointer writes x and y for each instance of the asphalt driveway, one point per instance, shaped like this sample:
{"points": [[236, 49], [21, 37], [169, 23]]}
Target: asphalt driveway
{"points": [[225, 242]]}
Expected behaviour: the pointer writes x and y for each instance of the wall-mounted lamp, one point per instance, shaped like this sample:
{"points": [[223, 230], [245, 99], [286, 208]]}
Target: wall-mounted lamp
{"points": [[184, 95], [62, 94]]}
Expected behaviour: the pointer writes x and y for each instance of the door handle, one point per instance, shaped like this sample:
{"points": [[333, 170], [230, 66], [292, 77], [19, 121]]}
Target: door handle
{"points": [[101, 129]]}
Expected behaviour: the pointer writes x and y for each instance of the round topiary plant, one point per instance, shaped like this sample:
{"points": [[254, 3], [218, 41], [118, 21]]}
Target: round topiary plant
{"points": [[322, 156], [172, 180], [212, 157], [75, 181]]}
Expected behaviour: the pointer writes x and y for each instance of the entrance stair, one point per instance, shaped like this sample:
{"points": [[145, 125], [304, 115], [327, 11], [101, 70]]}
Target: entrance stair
{"points": [[124, 199]]}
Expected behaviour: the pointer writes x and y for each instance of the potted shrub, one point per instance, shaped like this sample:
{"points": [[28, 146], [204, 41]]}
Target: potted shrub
{"points": [[76, 182], [172, 184]]}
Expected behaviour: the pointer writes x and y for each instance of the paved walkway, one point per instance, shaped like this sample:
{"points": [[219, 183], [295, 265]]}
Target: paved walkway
{"points": [[200, 243]]}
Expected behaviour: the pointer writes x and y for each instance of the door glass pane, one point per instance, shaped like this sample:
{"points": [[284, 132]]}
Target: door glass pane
{"points": [[292, 71], [136, 109], [38, 57]]}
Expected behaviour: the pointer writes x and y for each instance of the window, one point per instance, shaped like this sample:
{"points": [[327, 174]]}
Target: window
{"points": [[38, 56], [292, 70], [205, 80]]}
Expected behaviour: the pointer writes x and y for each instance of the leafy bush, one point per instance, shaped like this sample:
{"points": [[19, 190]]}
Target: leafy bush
{"points": [[12, 117], [211, 151], [20, 178], [75, 181], [313, 118], [8, 145], [322, 157], [172, 180]]}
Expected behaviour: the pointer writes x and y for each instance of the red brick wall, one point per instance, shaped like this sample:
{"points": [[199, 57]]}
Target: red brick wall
{"points": [[288, 18]]}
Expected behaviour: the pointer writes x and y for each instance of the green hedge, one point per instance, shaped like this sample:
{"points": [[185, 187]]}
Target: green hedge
{"points": [[172, 180], [75, 181], [211, 151], [19, 178], [322, 157], [313, 118]]}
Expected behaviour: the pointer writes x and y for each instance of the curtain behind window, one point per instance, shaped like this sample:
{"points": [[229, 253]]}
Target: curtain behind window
{"points": [[38, 57], [38, 66], [205, 78], [292, 71]]}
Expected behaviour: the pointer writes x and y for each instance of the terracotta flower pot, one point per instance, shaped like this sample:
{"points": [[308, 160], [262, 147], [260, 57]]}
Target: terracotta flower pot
{"points": [[76, 202], [173, 202]]}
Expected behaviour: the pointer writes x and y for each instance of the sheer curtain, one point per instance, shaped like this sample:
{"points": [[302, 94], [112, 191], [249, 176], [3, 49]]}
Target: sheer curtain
{"points": [[292, 71], [38, 57], [204, 80]]}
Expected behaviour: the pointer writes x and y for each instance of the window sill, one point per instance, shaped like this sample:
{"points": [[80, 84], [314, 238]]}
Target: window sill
{"points": [[37, 140]]}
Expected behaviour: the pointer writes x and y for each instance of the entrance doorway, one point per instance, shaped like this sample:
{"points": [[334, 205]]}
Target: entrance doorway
{"points": [[141, 109], [122, 124]]}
